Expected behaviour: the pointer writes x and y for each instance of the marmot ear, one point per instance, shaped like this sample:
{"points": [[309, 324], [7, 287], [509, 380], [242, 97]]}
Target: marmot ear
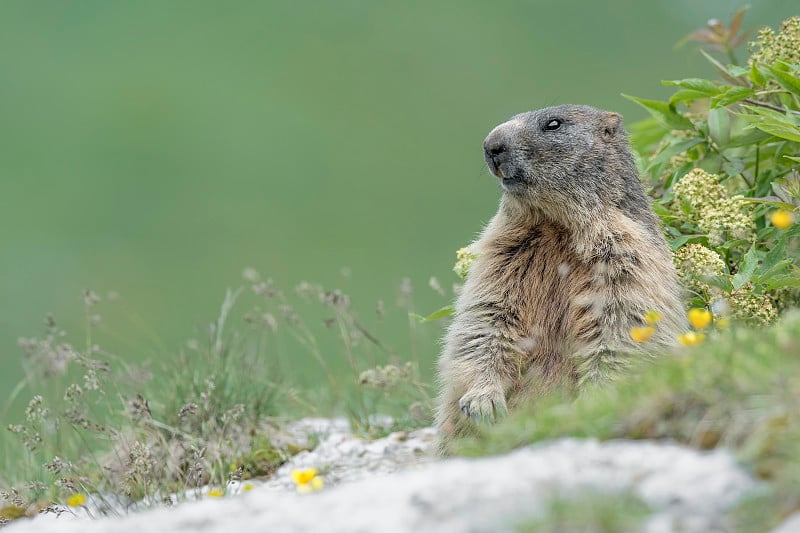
{"points": [[610, 124]]}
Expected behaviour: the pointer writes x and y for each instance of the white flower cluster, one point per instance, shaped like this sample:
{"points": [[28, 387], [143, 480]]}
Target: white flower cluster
{"points": [[696, 263], [746, 305], [711, 208], [464, 258], [770, 47]]}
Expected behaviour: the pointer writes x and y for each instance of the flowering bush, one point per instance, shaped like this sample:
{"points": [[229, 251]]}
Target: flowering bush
{"points": [[721, 157]]}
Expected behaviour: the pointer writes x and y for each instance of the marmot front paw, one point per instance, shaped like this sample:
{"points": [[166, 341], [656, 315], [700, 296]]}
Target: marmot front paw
{"points": [[485, 403]]}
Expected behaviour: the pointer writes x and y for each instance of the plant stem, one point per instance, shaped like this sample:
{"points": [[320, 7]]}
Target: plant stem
{"points": [[766, 105]]}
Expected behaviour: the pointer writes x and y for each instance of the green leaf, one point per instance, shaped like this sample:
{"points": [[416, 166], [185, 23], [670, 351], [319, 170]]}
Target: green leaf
{"points": [[768, 114], [436, 315], [738, 71], [748, 137], [776, 255], [733, 167], [790, 134], [663, 112], [722, 282], [645, 134], [719, 126], [734, 243], [707, 87], [661, 210], [772, 122], [746, 268], [769, 200], [731, 95], [783, 281], [672, 150], [795, 159], [677, 242], [756, 76], [686, 95], [775, 271], [789, 81]]}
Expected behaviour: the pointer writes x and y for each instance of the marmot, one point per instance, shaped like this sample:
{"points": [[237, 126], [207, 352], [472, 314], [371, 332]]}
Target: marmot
{"points": [[573, 259]]}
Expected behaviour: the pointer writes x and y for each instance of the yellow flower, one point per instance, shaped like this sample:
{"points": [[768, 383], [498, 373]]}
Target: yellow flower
{"points": [[214, 493], [700, 318], [691, 338], [76, 500], [314, 484], [301, 477], [782, 219], [642, 334], [651, 317], [247, 487], [307, 480]]}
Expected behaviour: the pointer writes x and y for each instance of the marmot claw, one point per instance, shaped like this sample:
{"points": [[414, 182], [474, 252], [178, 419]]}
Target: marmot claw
{"points": [[483, 404]]}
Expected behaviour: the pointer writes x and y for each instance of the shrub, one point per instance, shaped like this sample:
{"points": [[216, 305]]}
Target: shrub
{"points": [[721, 158]]}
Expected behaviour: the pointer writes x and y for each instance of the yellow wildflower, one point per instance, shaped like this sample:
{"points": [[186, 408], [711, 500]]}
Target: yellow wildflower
{"points": [[214, 493], [691, 338], [315, 484], [651, 317], [76, 500], [699, 318], [782, 219], [247, 487], [307, 480], [642, 334]]}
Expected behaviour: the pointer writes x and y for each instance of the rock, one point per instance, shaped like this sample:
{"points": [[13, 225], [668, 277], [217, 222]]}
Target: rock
{"points": [[790, 525], [688, 490]]}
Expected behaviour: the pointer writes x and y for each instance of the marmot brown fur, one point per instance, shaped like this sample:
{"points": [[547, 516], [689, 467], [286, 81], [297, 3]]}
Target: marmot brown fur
{"points": [[573, 259]]}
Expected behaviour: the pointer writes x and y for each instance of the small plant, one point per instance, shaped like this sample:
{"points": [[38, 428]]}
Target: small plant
{"points": [[377, 380], [91, 433]]}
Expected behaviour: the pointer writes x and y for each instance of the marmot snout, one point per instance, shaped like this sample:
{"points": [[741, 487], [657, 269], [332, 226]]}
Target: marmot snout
{"points": [[573, 259]]}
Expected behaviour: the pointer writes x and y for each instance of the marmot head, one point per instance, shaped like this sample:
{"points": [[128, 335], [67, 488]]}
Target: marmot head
{"points": [[565, 157]]}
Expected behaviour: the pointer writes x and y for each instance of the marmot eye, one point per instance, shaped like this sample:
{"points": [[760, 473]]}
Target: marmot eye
{"points": [[552, 125]]}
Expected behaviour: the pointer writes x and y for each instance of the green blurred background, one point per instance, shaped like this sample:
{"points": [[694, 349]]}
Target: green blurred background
{"points": [[156, 148]]}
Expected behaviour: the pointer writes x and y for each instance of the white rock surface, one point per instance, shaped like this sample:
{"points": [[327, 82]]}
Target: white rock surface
{"points": [[790, 525], [341, 457], [365, 492]]}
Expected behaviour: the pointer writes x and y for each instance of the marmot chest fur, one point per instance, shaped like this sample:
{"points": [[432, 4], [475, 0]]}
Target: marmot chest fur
{"points": [[571, 262]]}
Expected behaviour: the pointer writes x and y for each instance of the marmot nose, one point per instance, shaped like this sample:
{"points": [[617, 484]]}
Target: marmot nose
{"points": [[493, 147], [495, 151]]}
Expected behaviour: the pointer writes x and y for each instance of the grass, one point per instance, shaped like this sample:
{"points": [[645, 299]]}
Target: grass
{"points": [[738, 390], [109, 429], [131, 436]]}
